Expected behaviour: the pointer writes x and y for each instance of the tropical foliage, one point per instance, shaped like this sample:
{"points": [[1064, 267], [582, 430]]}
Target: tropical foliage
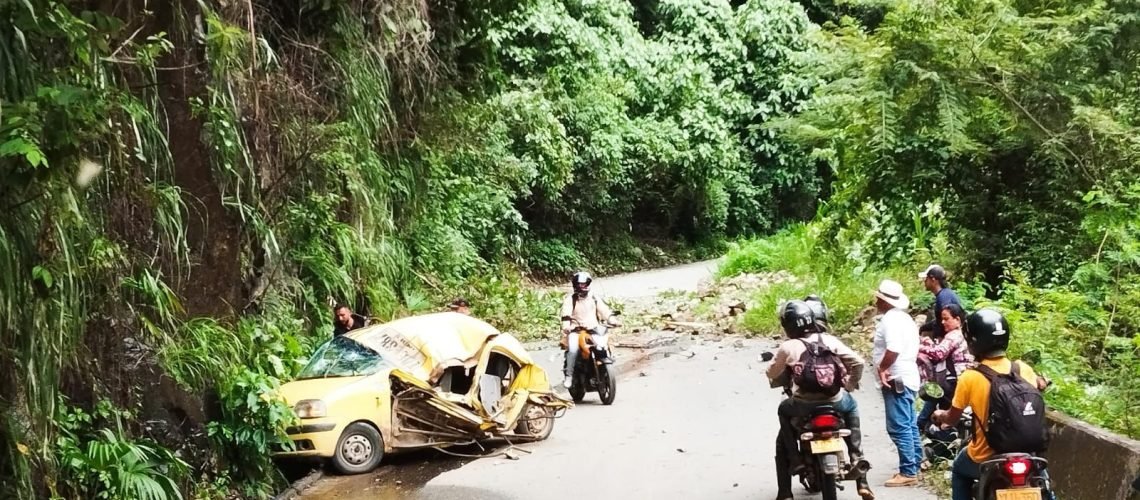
{"points": [[188, 186]]}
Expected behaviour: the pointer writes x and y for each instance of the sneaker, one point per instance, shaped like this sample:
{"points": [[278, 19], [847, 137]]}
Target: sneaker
{"points": [[567, 382], [901, 480]]}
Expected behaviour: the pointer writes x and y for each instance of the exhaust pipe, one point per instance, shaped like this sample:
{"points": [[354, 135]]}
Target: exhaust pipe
{"points": [[858, 469]]}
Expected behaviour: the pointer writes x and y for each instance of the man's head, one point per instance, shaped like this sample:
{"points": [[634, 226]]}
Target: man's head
{"points": [[934, 278], [987, 334], [797, 319], [581, 283], [460, 305], [342, 315], [818, 309], [890, 295]]}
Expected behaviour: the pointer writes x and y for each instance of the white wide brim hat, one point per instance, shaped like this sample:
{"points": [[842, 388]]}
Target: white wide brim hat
{"points": [[892, 293]]}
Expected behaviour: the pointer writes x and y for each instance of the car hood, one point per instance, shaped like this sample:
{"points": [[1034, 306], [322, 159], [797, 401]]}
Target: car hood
{"points": [[328, 389]]}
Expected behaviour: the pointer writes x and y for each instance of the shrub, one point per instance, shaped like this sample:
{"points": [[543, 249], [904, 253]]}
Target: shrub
{"points": [[104, 462]]}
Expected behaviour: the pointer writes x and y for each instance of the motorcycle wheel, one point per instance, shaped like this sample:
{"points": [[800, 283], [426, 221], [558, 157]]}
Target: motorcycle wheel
{"points": [[578, 390], [607, 389], [827, 487]]}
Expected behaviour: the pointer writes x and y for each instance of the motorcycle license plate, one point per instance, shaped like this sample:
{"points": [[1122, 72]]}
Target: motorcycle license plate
{"points": [[1020, 494], [827, 446]]}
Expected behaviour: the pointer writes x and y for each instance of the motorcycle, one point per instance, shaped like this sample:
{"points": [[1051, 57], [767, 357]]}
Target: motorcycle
{"points": [[822, 449], [1014, 476], [823, 452], [939, 443], [594, 371]]}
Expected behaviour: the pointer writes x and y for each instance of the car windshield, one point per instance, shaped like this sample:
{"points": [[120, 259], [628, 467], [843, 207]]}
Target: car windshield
{"points": [[342, 357]]}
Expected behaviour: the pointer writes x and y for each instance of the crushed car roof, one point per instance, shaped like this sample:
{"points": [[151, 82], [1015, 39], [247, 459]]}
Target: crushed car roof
{"points": [[425, 345]]}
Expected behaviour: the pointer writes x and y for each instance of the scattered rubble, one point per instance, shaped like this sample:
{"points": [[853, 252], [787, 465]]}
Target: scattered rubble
{"points": [[711, 312]]}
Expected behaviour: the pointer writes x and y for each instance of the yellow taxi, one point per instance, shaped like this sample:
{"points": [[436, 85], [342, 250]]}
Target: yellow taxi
{"points": [[425, 381]]}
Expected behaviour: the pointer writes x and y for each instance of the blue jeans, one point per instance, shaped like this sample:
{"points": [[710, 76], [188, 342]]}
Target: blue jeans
{"points": [[963, 474], [902, 426]]}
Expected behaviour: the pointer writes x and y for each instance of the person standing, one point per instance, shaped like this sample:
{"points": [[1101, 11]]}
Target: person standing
{"points": [[895, 355], [344, 320], [934, 280]]}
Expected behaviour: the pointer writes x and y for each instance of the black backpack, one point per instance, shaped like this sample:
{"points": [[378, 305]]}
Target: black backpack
{"points": [[1016, 420], [819, 370]]}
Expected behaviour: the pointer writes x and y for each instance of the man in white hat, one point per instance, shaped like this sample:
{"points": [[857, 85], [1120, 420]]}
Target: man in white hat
{"points": [[895, 355]]}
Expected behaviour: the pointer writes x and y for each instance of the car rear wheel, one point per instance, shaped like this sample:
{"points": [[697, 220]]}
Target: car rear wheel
{"points": [[358, 450], [537, 422]]}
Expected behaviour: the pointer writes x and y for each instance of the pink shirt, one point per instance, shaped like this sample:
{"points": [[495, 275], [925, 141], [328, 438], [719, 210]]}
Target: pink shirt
{"points": [[951, 347]]}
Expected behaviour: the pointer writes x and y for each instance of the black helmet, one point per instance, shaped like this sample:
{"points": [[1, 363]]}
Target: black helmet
{"points": [[818, 307], [987, 333], [581, 283], [797, 319]]}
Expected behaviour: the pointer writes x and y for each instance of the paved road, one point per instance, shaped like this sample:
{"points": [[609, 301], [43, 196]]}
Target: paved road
{"points": [[649, 283], [682, 427], [699, 427]]}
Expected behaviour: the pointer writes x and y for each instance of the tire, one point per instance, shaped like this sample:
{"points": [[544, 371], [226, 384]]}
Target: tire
{"points": [[536, 422], [578, 390], [827, 487], [609, 391], [359, 449]]}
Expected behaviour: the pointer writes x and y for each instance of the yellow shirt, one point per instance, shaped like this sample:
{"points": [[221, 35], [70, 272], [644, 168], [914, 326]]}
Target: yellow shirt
{"points": [[974, 391]]}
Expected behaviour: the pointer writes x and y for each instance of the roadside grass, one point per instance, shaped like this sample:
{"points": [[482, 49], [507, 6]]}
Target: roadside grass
{"points": [[937, 479], [843, 284]]}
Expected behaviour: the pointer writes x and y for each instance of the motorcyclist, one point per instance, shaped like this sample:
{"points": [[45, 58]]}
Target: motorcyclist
{"points": [[582, 309], [987, 335], [800, 322]]}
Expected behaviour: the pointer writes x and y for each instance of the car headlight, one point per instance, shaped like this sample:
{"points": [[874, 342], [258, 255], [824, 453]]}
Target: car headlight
{"points": [[311, 408]]}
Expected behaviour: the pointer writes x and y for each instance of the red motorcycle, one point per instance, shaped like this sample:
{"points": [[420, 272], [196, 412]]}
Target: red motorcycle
{"points": [[1014, 476]]}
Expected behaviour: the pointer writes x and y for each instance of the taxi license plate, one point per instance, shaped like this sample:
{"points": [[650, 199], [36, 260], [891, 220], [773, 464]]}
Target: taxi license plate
{"points": [[1021, 494], [828, 446]]}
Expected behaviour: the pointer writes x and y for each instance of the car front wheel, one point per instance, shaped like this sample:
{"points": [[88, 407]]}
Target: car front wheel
{"points": [[359, 449]]}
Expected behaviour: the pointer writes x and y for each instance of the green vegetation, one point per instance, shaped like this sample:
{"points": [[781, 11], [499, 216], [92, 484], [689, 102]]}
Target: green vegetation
{"points": [[1064, 331], [997, 138], [188, 186]]}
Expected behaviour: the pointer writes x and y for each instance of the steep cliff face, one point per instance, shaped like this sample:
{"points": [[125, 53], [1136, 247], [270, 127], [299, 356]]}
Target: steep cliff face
{"points": [[189, 185]]}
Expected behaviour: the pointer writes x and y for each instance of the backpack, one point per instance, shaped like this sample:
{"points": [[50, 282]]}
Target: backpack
{"points": [[1016, 420], [819, 370]]}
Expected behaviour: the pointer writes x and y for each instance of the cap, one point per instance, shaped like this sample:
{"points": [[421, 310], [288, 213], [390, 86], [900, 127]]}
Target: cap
{"points": [[934, 271]]}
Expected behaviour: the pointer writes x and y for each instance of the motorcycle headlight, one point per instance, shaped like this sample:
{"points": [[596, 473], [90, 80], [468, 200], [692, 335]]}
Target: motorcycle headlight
{"points": [[310, 408]]}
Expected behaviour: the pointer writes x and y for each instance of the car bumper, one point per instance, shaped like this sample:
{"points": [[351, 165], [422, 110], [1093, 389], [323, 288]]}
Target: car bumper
{"points": [[313, 437]]}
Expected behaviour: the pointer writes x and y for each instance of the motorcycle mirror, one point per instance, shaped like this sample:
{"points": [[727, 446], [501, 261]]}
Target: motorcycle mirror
{"points": [[767, 356]]}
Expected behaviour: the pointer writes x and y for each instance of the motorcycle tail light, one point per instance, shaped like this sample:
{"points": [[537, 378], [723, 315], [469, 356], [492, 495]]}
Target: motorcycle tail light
{"points": [[825, 422], [1018, 470]]}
